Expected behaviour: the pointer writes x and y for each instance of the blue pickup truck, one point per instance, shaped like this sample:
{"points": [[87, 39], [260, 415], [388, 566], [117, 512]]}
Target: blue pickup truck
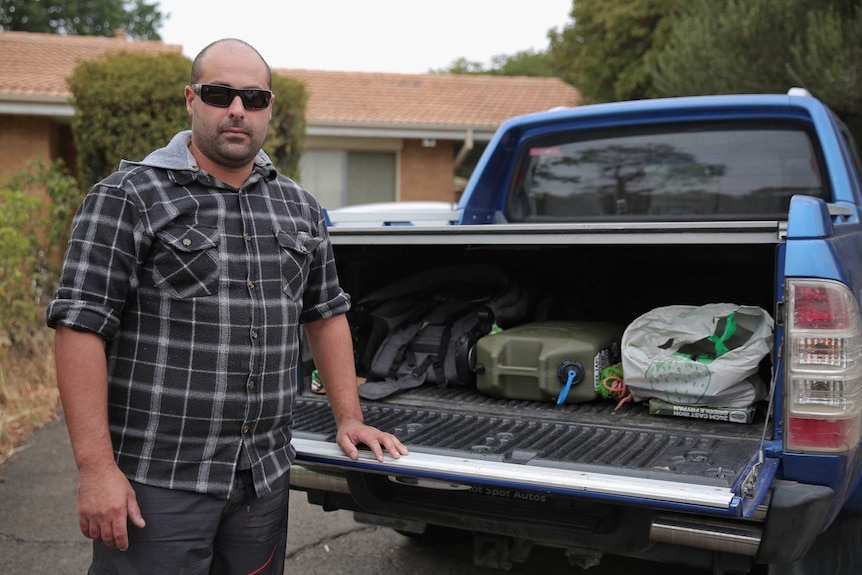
{"points": [[604, 212]]}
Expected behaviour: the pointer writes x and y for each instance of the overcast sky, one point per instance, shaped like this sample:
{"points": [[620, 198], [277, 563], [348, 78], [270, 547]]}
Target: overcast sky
{"points": [[406, 36]]}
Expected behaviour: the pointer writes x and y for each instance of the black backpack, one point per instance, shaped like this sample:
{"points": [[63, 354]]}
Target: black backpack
{"points": [[424, 327]]}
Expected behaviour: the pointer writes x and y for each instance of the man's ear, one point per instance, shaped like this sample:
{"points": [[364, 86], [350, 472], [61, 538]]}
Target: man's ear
{"points": [[190, 97]]}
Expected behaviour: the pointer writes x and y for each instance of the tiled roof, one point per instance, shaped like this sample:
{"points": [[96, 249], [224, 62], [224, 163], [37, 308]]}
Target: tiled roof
{"points": [[350, 98], [35, 67], [38, 64]]}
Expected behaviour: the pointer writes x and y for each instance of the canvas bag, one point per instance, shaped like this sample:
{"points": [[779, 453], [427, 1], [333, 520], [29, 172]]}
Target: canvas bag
{"points": [[697, 355]]}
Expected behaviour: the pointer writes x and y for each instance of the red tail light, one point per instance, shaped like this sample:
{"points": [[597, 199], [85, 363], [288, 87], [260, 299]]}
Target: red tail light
{"points": [[820, 307], [820, 434]]}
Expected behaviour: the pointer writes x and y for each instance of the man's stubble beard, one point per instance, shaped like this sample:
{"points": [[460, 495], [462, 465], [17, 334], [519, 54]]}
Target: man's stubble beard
{"points": [[226, 154]]}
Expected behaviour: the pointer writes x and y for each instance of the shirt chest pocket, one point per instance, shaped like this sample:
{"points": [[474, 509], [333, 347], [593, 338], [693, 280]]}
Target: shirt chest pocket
{"points": [[186, 262], [296, 251]]}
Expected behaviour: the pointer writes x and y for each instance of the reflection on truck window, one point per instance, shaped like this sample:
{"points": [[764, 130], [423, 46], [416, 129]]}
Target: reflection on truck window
{"points": [[705, 171]]}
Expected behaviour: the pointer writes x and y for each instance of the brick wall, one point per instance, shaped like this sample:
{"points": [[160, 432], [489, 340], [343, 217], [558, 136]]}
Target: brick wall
{"points": [[427, 172], [25, 138]]}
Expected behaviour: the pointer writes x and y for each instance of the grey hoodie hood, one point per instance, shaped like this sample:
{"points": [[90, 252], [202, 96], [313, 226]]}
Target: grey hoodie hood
{"points": [[177, 156]]}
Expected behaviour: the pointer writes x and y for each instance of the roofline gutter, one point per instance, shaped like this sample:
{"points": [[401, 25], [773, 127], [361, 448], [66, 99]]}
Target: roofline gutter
{"points": [[404, 132], [384, 124], [60, 108], [57, 107]]}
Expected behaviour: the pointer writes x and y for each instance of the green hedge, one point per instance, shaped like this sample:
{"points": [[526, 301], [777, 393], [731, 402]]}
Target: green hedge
{"points": [[36, 205], [126, 106]]}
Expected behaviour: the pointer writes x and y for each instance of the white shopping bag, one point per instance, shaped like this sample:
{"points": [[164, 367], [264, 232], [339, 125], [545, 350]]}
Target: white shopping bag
{"points": [[697, 355]]}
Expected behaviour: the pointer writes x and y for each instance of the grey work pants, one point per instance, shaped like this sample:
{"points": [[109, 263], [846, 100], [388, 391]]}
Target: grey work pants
{"points": [[196, 534]]}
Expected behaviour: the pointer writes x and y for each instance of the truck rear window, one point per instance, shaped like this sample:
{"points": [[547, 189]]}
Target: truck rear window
{"points": [[669, 172]]}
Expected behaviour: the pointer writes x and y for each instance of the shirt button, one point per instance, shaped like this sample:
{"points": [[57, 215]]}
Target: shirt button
{"points": [[245, 428], [250, 384], [253, 334], [187, 242], [247, 237], [250, 284]]}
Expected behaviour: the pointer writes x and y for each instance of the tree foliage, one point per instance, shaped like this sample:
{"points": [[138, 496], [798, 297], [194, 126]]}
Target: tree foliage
{"points": [[632, 49], [605, 48], [523, 63], [757, 46], [828, 60], [140, 19], [462, 66]]}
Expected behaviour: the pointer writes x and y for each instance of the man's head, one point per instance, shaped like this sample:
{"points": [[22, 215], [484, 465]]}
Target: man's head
{"points": [[229, 126], [197, 65]]}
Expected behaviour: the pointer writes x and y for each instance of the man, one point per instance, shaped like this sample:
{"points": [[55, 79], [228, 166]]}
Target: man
{"points": [[177, 339]]}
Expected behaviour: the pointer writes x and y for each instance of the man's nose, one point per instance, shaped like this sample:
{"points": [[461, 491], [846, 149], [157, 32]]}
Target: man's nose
{"points": [[236, 107]]}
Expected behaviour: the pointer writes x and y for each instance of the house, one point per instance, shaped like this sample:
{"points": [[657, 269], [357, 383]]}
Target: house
{"points": [[35, 108], [369, 136], [381, 137]]}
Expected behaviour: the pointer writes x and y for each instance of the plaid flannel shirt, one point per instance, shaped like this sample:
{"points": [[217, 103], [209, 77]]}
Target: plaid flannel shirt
{"points": [[199, 290]]}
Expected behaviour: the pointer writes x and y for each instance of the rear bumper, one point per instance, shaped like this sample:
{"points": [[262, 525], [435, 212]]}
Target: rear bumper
{"points": [[780, 531]]}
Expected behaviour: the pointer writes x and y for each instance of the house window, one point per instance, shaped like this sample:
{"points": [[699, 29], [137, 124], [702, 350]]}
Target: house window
{"points": [[340, 178]]}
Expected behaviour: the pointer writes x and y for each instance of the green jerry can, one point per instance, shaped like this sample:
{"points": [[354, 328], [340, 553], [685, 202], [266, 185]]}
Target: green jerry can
{"points": [[557, 361]]}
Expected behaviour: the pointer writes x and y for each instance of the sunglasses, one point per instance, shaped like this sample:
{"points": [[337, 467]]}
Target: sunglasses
{"points": [[222, 96]]}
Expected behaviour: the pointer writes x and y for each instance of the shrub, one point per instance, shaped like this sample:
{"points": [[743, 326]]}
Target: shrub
{"points": [[35, 208], [284, 141], [126, 105]]}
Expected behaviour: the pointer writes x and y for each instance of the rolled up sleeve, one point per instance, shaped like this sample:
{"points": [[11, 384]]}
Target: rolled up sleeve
{"points": [[101, 263], [324, 297]]}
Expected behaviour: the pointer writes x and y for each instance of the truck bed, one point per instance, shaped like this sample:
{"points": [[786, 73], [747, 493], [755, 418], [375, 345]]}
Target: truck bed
{"points": [[465, 423], [461, 438]]}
